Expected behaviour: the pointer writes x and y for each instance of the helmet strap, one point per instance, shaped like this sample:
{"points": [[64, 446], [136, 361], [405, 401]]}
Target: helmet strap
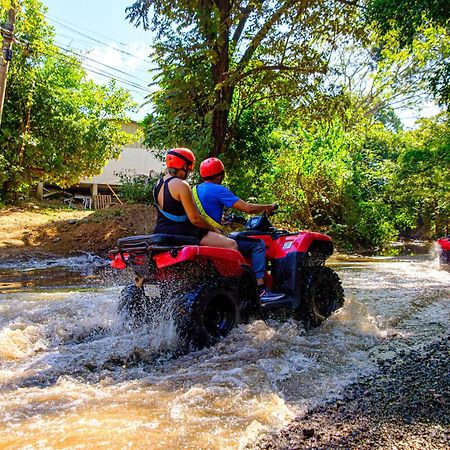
{"points": [[179, 155], [185, 170]]}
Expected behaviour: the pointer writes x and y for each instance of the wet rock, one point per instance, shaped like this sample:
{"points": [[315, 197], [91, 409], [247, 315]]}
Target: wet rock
{"points": [[91, 366]]}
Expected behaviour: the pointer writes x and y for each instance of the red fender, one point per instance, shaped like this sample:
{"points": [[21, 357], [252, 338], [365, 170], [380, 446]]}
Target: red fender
{"points": [[444, 243], [227, 262], [300, 242]]}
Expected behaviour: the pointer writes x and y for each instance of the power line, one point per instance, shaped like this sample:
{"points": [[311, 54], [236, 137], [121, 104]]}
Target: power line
{"points": [[100, 63], [72, 38], [97, 71], [52, 17], [92, 39], [131, 85]]}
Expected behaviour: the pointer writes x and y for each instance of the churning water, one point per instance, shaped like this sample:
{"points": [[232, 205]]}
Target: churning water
{"points": [[73, 375]]}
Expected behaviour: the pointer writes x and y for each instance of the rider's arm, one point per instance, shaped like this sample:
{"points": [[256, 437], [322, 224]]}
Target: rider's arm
{"points": [[253, 208], [184, 194]]}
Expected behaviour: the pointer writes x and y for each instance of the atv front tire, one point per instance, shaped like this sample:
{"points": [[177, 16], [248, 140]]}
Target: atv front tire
{"points": [[322, 294]]}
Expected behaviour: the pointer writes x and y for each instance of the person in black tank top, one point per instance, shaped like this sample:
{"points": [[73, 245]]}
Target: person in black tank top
{"points": [[177, 212], [172, 218]]}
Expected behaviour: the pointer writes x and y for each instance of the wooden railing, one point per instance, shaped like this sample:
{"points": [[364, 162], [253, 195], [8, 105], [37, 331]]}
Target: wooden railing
{"points": [[101, 201]]}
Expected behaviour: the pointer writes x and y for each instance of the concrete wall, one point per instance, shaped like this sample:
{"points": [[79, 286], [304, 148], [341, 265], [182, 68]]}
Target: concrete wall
{"points": [[135, 159]]}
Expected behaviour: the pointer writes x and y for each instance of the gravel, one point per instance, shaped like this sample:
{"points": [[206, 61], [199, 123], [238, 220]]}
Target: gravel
{"points": [[405, 405]]}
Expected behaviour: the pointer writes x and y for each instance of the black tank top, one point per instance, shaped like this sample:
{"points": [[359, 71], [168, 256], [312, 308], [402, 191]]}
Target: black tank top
{"points": [[176, 225], [171, 206]]}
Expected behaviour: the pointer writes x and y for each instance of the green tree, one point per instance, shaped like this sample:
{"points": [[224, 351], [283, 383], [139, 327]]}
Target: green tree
{"points": [[57, 125], [410, 20], [421, 183], [206, 51]]}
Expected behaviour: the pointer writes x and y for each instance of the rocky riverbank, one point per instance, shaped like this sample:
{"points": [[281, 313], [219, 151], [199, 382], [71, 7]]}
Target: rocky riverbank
{"points": [[405, 405]]}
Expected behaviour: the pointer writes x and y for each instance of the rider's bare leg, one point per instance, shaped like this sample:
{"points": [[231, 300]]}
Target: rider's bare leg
{"points": [[213, 239]]}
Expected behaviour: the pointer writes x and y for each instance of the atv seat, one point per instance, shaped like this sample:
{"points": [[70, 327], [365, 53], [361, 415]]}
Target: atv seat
{"points": [[149, 240]]}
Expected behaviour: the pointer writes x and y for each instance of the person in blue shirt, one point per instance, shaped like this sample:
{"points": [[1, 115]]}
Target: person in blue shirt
{"points": [[212, 197]]}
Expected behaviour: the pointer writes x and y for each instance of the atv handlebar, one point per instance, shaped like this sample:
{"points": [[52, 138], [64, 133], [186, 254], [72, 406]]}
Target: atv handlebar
{"points": [[234, 218], [231, 218], [274, 211]]}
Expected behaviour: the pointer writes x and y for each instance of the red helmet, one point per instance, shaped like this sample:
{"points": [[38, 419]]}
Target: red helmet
{"points": [[176, 158], [211, 168]]}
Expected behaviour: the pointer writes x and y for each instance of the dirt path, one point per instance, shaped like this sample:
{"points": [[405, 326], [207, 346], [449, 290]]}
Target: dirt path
{"points": [[32, 228]]}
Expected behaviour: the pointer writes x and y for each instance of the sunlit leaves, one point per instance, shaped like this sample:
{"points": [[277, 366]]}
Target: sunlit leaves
{"points": [[273, 46], [419, 23]]}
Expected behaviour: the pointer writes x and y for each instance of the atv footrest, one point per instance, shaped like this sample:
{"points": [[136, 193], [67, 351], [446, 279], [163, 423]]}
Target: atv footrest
{"points": [[285, 302], [160, 240]]}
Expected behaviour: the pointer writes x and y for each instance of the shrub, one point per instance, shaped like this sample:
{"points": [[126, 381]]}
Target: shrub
{"points": [[137, 188]]}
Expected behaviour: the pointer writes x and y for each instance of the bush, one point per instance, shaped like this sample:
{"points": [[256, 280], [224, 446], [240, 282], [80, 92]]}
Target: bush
{"points": [[137, 188], [367, 225]]}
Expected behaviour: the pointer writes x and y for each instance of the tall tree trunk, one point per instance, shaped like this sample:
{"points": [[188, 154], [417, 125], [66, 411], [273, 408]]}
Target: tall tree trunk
{"points": [[220, 121], [220, 75]]}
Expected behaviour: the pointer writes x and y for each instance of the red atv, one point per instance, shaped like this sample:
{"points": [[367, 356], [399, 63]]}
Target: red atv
{"points": [[212, 290], [444, 251]]}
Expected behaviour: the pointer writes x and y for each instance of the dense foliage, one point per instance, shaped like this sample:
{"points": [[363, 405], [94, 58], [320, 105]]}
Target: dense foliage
{"points": [[299, 99], [307, 93], [412, 20], [136, 188], [57, 126], [366, 186]]}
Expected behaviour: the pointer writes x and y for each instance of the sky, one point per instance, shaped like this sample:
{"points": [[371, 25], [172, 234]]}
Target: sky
{"points": [[113, 47]]}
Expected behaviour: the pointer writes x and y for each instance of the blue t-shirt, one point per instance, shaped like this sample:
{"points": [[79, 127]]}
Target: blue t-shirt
{"points": [[214, 198]]}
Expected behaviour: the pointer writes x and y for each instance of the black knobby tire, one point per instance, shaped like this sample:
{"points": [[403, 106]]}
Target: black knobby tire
{"points": [[134, 305], [322, 294], [211, 315]]}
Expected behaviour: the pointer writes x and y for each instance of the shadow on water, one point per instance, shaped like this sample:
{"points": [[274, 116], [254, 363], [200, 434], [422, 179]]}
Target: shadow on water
{"points": [[395, 249], [85, 271]]}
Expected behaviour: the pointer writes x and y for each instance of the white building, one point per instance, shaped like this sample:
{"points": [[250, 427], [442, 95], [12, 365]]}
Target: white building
{"points": [[135, 159]]}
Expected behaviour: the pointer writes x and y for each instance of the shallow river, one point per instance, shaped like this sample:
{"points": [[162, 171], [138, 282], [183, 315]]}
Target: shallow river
{"points": [[72, 375]]}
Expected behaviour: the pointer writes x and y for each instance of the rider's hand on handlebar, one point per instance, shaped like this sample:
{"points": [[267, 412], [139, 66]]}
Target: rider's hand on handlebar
{"points": [[271, 208]]}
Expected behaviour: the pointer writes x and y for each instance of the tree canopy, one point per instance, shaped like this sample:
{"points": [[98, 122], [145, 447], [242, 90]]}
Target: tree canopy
{"points": [[412, 21], [217, 58], [299, 99]]}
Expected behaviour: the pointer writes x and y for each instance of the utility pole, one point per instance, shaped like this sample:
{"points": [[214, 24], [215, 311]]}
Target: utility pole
{"points": [[6, 56]]}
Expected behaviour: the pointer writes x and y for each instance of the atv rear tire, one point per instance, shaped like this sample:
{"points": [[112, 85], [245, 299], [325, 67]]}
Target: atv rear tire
{"points": [[322, 294], [207, 315], [134, 305]]}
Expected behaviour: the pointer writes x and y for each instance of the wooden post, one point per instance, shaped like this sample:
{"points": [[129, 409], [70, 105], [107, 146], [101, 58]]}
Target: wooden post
{"points": [[6, 56], [40, 190], [115, 195], [94, 189]]}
